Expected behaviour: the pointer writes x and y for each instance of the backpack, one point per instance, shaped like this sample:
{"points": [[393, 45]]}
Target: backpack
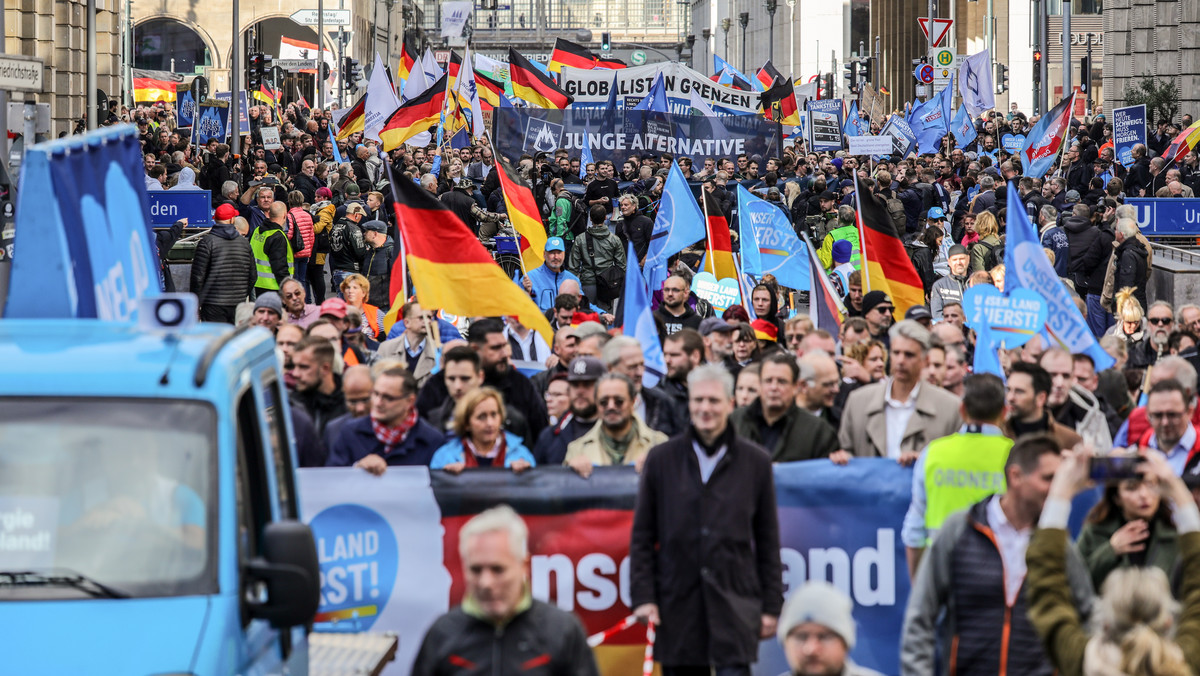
{"points": [[578, 223], [609, 280], [895, 209], [994, 255], [296, 238]]}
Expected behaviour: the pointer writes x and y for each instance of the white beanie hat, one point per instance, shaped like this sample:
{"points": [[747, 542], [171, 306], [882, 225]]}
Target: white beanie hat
{"points": [[821, 603]]}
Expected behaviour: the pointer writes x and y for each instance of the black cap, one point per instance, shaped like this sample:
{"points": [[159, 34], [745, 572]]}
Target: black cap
{"points": [[827, 196], [374, 226], [585, 369]]}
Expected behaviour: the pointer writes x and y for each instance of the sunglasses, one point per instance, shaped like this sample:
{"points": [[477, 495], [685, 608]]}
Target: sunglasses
{"points": [[615, 401], [1159, 321]]}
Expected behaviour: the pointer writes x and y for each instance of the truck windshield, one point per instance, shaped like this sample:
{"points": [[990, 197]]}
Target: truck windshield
{"points": [[120, 492]]}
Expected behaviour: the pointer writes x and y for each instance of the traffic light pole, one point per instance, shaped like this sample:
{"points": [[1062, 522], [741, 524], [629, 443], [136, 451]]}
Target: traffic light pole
{"points": [[235, 118], [320, 54]]}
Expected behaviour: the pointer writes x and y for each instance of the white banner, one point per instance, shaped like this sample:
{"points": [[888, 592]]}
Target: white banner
{"points": [[870, 145], [454, 17], [368, 554], [270, 138], [591, 87]]}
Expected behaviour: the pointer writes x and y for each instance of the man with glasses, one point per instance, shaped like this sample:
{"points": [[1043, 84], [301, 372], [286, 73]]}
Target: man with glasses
{"points": [[619, 437], [1169, 409], [392, 434], [1188, 318], [291, 291], [1160, 321]]}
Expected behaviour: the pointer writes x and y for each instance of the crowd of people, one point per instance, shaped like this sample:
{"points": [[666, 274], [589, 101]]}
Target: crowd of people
{"points": [[304, 245]]}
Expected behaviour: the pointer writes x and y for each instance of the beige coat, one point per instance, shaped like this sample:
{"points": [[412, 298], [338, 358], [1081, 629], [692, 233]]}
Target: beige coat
{"points": [[588, 446], [394, 349], [864, 420]]}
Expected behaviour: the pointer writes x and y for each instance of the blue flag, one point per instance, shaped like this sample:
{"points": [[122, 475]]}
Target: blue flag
{"points": [[656, 100], [770, 244], [721, 65], [1026, 267], [679, 224], [854, 122], [337, 154], [586, 155], [639, 321], [931, 120], [963, 128]]}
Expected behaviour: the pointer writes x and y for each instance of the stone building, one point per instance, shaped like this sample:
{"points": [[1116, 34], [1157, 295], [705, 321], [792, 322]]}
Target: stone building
{"points": [[1155, 38]]}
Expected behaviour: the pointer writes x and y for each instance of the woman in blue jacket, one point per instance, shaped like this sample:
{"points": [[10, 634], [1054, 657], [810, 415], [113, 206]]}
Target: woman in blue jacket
{"points": [[480, 437]]}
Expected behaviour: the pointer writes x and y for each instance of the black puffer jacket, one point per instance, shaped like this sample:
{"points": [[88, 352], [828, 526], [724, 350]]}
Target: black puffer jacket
{"points": [[223, 267], [1081, 235]]}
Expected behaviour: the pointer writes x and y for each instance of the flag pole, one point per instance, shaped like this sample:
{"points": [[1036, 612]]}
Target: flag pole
{"points": [[1062, 153], [711, 264], [862, 239]]}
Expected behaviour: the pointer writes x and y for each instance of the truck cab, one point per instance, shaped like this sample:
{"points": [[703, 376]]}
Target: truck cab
{"points": [[148, 512]]}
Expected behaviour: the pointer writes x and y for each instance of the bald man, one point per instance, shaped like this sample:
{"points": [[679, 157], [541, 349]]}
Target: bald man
{"points": [[272, 252], [357, 383]]}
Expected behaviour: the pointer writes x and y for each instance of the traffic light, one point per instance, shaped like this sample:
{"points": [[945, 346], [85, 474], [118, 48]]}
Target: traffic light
{"points": [[1085, 74], [254, 70], [1001, 78], [851, 75], [865, 67], [353, 73], [324, 71], [606, 42], [828, 85], [1037, 66]]}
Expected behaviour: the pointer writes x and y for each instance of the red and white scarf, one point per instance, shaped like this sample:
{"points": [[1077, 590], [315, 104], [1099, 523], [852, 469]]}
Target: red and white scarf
{"points": [[391, 437]]}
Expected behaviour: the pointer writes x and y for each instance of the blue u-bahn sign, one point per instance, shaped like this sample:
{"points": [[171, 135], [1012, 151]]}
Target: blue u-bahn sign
{"points": [[1167, 217]]}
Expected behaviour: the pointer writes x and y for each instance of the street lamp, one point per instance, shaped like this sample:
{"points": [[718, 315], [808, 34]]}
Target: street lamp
{"points": [[743, 21], [725, 24], [706, 33], [690, 49], [772, 5]]}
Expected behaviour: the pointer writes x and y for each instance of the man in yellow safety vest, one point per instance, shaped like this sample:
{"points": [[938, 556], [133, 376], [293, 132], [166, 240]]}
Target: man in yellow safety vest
{"points": [[272, 251], [956, 471]]}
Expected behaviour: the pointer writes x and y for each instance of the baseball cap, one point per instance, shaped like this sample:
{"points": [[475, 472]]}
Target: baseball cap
{"points": [[936, 214], [555, 244], [715, 324], [842, 251], [585, 369], [375, 226], [355, 208], [336, 307], [957, 250], [225, 212], [1072, 195], [918, 312], [352, 189], [827, 196], [874, 298]]}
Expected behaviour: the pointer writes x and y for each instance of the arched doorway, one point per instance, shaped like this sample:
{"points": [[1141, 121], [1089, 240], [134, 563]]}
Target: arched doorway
{"points": [[170, 45]]}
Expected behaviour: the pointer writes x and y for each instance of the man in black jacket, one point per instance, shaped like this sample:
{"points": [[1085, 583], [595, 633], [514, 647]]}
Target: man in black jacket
{"points": [[634, 227], [500, 628], [776, 423], [1081, 237], [1131, 260], [318, 389], [223, 273], [707, 568]]}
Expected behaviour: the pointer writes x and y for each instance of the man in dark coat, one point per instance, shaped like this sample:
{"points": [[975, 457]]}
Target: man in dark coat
{"points": [[392, 434], [704, 550], [1082, 235], [223, 272], [774, 421]]}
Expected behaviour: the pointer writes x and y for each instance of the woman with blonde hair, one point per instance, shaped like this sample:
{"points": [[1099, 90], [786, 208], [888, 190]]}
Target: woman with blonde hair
{"points": [[356, 289], [871, 356], [988, 229], [1131, 319], [1137, 628], [480, 439]]}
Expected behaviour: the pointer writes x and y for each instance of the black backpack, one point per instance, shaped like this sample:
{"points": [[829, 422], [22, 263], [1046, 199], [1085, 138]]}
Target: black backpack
{"points": [[994, 255], [578, 223]]}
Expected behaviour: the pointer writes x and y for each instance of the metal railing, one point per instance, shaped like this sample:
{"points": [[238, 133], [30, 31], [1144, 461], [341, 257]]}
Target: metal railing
{"points": [[1190, 257]]}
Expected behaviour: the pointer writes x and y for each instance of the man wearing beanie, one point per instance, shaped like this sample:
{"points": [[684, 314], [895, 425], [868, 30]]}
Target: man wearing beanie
{"points": [[949, 289], [841, 254], [878, 310], [268, 311], [223, 272], [817, 631]]}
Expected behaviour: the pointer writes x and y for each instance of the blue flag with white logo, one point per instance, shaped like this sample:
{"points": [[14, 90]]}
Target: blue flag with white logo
{"points": [[963, 128], [678, 225], [770, 244], [720, 65], [855, 125], [585, 155], [639, 321], [931, 120], [1026, 267], [656, 100]]}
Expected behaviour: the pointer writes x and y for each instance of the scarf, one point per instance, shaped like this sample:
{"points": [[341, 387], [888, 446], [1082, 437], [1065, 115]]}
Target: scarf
{"points": [[472, 461], [391, 437]]}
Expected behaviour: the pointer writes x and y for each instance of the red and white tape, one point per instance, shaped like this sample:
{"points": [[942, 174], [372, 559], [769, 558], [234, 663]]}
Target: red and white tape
{"points": [[648, 662], [598, 638]]}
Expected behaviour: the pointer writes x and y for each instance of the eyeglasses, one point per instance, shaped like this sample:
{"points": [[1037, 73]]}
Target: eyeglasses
{"points": [[615, 401], [884, 309], [1159, 321], [1165, 415]]}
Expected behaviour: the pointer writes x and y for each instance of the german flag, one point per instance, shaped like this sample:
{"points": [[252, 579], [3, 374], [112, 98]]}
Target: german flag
{"points": [[454, 67], [449, 266], [354, 120], [768, 75], [783, 96], [414, 117], [567, 53], [490, 91], [409, 56], [153, 85], [610, 64], [532, 86], [719, 260], [886, 264], [523, 213], [265, 95]]}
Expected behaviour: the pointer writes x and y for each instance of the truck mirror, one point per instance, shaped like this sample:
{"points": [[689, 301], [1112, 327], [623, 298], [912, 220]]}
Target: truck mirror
{"points": [[291, 573]]}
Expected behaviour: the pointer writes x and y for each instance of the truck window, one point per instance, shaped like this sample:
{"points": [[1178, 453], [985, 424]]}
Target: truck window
{"points": [[250, 453], [284, 474]]}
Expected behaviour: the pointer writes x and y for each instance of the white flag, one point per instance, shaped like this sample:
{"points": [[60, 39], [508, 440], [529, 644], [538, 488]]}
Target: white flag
{"points": [[975, 83], [454, 17], [488, 65], [415, 85], [429, 64], [468, 90], [381, 100]]}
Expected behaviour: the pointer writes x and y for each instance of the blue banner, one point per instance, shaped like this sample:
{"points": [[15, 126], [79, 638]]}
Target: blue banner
{"points": [[963, 128], [211, 118], [168, 206], [83, 237], [678, 224], [243, 106], [903, 137], [1129, 129], [623, 134], [1167, 216], [770, 244], [186, 105], [824, 125]]}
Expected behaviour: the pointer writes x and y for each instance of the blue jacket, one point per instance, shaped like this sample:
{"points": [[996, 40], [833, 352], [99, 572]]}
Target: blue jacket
{"points": [[545, 285], [446, 331], [356, 440], [452, 452]]}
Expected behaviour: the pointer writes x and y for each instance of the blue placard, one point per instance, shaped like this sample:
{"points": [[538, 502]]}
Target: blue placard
{"points": [[903, 137], [824, 125], [1167, 216], [1129, 129], [243, 106], [168, 206]]}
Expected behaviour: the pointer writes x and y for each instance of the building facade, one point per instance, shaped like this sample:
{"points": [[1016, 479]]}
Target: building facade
{"points": [[1151, 38]]}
